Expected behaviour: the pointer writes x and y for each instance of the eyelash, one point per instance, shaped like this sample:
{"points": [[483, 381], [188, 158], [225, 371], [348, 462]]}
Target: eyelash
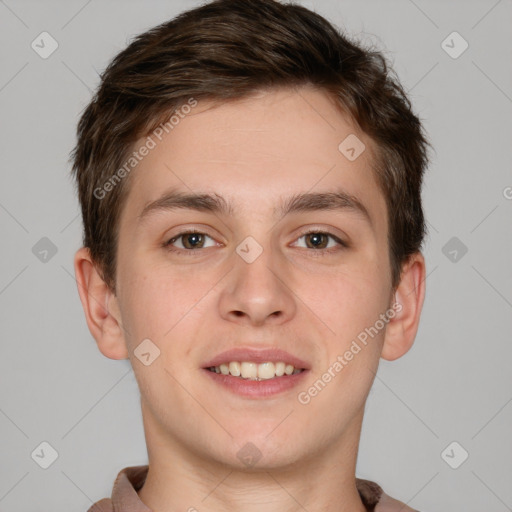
{"points": [[319, 252]]}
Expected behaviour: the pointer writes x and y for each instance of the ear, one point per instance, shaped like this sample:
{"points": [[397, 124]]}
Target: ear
{"points": [[100, 306], [402, 328]]}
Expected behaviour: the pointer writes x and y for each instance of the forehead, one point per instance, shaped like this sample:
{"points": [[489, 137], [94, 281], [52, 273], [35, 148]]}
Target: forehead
{"points": [[257, 151]]}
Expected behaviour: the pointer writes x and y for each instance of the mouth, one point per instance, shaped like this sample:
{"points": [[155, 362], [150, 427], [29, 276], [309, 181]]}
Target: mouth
{"points": [[255, 373]]}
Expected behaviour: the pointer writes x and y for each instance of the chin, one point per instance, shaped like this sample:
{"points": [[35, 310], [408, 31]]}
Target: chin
{"points": [[263, 450]]}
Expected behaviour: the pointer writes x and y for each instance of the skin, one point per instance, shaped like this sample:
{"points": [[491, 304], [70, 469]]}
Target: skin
{"points": [[253, 152]]}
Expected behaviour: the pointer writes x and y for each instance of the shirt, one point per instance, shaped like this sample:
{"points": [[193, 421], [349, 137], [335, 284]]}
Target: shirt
{"points": [[131, 479]]}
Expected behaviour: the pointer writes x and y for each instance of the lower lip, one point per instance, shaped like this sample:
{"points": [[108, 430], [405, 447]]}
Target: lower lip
{"points": [[257, 388]]}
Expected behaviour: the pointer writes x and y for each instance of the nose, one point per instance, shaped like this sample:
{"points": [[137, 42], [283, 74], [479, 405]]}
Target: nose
{"points": [[257, 292]]}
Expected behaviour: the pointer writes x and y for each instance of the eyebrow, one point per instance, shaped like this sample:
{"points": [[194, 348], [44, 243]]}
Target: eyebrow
{"points": [[216, 204]]}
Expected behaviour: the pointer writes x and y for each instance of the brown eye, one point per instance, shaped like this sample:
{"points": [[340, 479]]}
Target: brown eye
{"points": [[192, 240], [187, 241], [317, 240], [320, 240]]}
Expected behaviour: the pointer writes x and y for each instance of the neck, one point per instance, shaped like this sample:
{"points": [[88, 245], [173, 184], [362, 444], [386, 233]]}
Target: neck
{"points": [[181, 479]]}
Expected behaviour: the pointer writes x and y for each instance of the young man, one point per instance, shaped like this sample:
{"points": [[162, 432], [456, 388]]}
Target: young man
{"points": [[250, 188]]}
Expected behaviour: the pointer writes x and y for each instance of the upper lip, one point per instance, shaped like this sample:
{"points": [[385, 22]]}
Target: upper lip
{"points": [[273, 355]]}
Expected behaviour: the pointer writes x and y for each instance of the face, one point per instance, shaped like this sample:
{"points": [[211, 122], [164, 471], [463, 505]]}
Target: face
{"points": [[252, 278]]}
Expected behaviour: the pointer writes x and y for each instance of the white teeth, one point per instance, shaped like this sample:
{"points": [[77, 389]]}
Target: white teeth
{"points": [[280, 369], [266, 370], [255, 371], [249, 370], [234, 368]]}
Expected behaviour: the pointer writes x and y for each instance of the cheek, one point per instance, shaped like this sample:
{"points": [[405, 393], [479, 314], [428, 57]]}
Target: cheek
{"points": [[142, 307], [346, 302], [162, 304], [160, 309]]}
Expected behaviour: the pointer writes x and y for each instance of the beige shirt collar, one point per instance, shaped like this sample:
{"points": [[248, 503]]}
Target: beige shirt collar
{"points": [[131, 479]]}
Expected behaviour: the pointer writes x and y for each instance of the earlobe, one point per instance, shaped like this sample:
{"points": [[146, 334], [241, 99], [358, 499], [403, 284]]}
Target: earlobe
{"points": [[402, 328], [100, 307]]}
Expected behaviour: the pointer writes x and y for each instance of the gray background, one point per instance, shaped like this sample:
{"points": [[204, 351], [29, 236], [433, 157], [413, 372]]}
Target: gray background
{"points": [[454, 385]]}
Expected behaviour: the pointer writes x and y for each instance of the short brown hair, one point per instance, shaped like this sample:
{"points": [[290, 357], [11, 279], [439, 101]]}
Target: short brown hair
{"points": [[228, 49]]}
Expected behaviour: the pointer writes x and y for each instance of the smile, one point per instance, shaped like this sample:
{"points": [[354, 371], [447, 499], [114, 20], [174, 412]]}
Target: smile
{"points": [[255, 371]]}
